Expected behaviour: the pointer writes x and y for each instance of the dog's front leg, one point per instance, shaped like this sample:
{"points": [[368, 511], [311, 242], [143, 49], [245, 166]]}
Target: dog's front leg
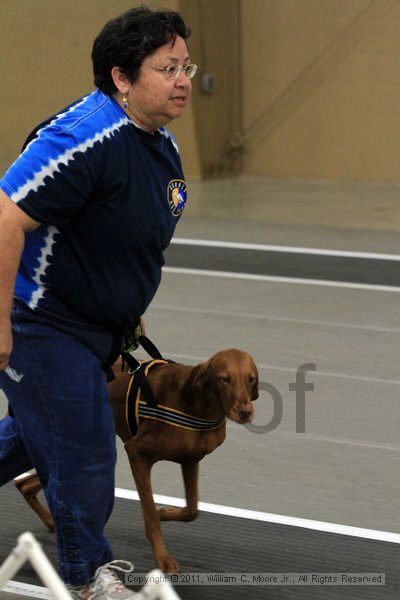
{"points": [[190, 472], [141, 470]]}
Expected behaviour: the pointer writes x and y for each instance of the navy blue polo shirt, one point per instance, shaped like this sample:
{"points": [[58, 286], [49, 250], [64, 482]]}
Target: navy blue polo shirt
{"points": [[108, 196]]}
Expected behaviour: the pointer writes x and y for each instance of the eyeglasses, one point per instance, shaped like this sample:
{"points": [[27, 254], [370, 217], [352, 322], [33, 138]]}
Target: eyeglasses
{"points": [[173, 71]]}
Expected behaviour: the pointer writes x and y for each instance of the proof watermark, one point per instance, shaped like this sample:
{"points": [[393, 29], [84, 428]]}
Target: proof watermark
{"points": [[299, 387], [270, 579]]}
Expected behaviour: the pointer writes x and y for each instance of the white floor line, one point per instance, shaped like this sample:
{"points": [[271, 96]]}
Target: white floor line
{"points": [[34, 591], [311, 437], [242, 513], [273, 279], [356, 377], [317, 373], [26, 589], [243, 315], [287, 249], [268, 367]]}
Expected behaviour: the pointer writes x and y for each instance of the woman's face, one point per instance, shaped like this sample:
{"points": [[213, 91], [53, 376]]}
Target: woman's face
{"points": [[154, 100]]}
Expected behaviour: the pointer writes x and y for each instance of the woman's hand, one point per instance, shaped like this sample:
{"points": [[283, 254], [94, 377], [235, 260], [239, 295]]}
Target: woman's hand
{"points": [[5, 343], [142, 325]]}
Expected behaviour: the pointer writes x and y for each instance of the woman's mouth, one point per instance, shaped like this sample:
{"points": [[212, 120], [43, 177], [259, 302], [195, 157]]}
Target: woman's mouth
{"points": [[180, 100]]}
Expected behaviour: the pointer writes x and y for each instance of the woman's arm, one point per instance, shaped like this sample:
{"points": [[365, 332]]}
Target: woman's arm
{"points": [[14, 223]]}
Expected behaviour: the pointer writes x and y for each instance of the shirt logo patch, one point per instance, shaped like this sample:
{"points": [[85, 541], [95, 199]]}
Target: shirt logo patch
{"points": [[176, 196]]}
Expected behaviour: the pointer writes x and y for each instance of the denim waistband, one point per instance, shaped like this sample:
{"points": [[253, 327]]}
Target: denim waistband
{"points": [[105, 344]]}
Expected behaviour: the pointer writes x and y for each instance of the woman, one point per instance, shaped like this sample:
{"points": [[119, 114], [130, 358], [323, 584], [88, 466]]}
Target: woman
{"points": [[85, 215]]}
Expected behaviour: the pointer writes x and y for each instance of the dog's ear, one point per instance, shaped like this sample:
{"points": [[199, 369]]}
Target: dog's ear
{"points": [[254, 390], [201, 377]]}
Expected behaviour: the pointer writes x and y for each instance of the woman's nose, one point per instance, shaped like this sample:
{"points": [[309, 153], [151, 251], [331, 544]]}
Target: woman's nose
{"points": [[182, 80]]}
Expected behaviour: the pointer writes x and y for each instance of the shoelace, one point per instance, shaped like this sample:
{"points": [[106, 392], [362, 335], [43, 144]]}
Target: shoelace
{"points": [[76, 591], [110, 581], [113, 584]]}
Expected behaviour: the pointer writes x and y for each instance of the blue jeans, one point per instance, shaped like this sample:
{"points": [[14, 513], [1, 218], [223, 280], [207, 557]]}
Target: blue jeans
{"points": [[63, 426]]}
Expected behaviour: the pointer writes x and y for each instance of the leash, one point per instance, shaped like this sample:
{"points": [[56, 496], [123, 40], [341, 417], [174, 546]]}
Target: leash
{"points": [[137, 368], [123, 344], [147, 345]]}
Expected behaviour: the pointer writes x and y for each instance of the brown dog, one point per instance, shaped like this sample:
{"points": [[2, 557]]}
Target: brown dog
{"points": [[197, 399]]}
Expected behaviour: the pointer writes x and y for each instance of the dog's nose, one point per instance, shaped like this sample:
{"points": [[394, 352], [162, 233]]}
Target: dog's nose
{"points": [[245, 416]]}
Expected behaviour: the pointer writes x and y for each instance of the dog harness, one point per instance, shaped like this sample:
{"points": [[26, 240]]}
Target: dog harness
{"points": [[136, 407]]}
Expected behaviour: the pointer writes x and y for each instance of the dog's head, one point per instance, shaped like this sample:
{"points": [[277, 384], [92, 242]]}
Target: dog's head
{"points": [[232, 376]]}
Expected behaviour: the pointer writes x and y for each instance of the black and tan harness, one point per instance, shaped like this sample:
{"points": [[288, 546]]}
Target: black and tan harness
{"points": [[141, 403]]}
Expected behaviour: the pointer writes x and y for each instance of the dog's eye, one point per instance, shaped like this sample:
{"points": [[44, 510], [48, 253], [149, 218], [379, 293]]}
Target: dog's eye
{"points": [[252, 379], [225, 378]]}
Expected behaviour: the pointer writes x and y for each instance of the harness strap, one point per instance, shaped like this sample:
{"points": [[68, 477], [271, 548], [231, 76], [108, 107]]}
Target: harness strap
{"points": [[139, 382], [139, 370], [139, 385], [133, 364], [147, 409], [177, 418]]}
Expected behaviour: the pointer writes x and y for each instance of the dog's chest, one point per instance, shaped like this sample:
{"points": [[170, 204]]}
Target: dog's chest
{"points": [[193, 446]]}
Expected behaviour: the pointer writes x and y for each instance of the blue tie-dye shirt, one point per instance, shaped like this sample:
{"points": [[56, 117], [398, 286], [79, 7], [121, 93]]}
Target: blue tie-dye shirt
{"points": [[108, 196]]}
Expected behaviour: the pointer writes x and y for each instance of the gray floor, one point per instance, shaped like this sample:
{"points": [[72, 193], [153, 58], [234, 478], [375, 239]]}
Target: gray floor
{"points": [[344, 468], [226, 544]]}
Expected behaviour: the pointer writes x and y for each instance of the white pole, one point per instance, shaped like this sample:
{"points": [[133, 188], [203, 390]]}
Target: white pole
{"points": [[28, 548], [11, 565]]}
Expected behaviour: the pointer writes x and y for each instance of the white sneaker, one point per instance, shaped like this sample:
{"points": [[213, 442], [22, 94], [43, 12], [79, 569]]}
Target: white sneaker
{"points": [[106, 585]]}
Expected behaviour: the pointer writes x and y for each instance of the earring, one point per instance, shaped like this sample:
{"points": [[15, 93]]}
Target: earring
{"points": [[125, 102]]}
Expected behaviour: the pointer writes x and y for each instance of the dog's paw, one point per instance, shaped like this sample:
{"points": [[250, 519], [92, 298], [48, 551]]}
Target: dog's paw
{"points": [[167, 513], [167, 564]]}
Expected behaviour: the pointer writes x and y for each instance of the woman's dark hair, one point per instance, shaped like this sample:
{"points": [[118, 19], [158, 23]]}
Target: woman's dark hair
{"points": [[125, 42]]}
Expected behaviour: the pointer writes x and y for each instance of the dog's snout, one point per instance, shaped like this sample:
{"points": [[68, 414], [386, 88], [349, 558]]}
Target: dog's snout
{"points": [[245, 416], [246, 411]]}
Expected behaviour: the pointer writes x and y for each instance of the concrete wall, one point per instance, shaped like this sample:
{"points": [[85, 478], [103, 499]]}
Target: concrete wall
{"points": [[214, 44], [303, 88], [45, 48], [321, 85]]}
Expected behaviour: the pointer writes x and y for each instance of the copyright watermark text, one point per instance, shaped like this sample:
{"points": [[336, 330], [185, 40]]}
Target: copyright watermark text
{"points": [[271, 579]]}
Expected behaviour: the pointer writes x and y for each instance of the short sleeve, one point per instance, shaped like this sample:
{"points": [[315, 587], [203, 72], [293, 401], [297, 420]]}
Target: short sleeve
{"points": [[52, 178]]}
